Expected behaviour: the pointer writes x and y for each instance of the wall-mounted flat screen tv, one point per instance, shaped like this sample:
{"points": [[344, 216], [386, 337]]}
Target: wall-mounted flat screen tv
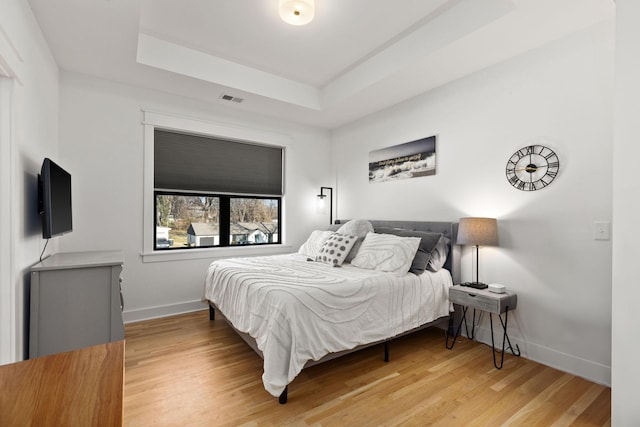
{"points": [[54, 199]]}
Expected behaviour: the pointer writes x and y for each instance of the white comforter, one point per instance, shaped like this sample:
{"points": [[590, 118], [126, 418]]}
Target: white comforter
{"points": [[299, 311]]}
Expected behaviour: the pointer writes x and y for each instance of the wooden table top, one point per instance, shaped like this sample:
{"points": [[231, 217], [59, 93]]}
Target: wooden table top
{"points": [[83, 387]]}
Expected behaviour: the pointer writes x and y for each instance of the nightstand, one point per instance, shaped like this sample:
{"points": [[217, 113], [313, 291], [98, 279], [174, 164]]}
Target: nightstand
{"points": [[490, 302]]}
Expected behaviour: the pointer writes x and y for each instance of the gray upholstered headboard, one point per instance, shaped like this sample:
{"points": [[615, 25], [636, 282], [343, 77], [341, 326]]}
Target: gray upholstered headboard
{"points": [[448, 229]]}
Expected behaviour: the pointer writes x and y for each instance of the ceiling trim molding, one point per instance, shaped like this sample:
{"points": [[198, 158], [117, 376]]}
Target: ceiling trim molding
{"points": [[158, 53], [11, 62], [454, 23]]}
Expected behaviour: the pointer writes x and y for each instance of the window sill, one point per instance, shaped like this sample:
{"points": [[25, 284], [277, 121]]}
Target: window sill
{"points": [[214, 253]]}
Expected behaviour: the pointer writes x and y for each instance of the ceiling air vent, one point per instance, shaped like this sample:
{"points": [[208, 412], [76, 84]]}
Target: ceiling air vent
{"points": [[231, 98]]}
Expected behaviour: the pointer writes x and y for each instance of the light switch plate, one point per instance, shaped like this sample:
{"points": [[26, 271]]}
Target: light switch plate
{"points": [[601, 230]]}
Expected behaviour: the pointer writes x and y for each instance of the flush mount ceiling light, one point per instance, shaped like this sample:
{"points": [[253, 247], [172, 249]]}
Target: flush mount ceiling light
{"points": [[297, 12]]}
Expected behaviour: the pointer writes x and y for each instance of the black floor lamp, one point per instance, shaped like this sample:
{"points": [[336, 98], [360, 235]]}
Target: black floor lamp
{"points": [[477, 232]]}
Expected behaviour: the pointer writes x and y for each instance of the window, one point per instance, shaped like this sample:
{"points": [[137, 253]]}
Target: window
{"points": [[196, 220], [215, 192]]}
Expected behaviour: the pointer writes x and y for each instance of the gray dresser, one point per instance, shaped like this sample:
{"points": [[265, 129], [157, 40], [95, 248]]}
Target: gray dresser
{"points": [[76, 301]]}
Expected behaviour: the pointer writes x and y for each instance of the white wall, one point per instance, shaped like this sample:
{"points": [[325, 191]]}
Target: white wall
{"points": [[559, 95], [29, 121], [101, 138], [626, 204]]}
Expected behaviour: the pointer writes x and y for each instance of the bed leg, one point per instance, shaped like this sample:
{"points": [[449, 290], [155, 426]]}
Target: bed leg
{"points": [[282, 399], [212, 313], [386, 351]]}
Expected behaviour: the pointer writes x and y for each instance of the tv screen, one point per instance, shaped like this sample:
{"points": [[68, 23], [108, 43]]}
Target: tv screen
{"points": [[55, 199]]}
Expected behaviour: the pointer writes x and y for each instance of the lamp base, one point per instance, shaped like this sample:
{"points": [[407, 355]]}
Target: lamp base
{"points": [[475, 285]]}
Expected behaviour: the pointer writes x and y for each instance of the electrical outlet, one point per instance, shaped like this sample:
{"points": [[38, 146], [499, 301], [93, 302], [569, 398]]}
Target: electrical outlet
{"points": [[601, 230]]}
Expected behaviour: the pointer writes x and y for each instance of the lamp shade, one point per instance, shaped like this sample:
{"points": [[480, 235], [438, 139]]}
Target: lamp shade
{"points": [[478, 232], [297, 12]]}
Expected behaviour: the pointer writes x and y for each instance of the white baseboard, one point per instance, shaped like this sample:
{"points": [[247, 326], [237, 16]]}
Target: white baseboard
{"points": [[590, 370], [162, 311]]}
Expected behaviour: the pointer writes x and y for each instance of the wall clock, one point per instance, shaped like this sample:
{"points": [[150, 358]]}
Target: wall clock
{"points": [[532, 168]]}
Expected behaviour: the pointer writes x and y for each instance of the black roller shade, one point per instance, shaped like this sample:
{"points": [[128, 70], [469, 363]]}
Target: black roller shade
{"points": [[199, 163]]}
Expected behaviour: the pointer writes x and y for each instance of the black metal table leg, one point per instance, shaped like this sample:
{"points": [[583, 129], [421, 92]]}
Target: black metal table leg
{"points": [[505, 339], [466, 327], [473, 326]]}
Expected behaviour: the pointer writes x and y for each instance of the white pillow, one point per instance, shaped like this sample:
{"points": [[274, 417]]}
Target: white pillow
{"points": [[386, 252], [314, 243], [356, 227], [335, 249]]}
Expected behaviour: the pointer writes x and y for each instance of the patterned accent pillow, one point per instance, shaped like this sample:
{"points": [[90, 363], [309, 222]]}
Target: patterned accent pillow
{"points": [[335, 249], [358, 228], [314, 243], [386, 252]]}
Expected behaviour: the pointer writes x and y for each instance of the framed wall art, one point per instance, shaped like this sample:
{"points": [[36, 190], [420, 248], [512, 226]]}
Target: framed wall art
{"points": [[409, 160]]}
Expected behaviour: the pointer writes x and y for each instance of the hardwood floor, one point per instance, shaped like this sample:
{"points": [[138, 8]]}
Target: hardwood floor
{"points": [[188, 371]]}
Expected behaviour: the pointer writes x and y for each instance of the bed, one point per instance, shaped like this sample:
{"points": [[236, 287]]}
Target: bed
{"points": [[296, 312]]}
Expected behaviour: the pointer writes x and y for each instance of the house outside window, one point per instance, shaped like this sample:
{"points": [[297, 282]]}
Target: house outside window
{"points": [[195, 221]]}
